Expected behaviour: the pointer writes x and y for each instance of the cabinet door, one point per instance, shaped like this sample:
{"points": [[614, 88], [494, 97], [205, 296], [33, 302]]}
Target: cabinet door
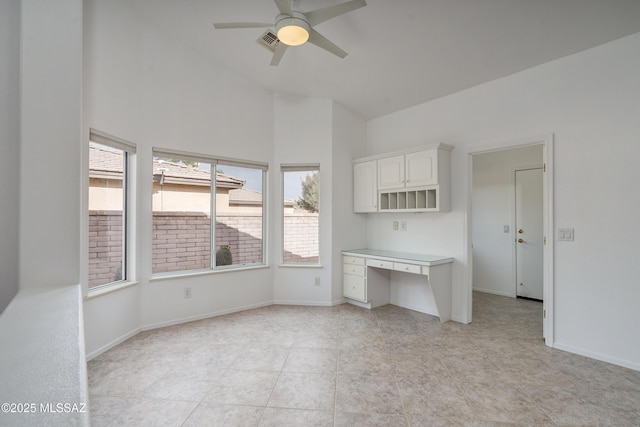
{"points": [[365, 187], [355, 287], [421, 168], [391, 172]]}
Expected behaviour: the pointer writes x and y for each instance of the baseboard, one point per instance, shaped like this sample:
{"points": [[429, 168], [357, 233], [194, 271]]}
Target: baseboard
{"points": [[112, 344], [490, 291], [307, 303], [204, 316], [459, 320], [597, 356]]}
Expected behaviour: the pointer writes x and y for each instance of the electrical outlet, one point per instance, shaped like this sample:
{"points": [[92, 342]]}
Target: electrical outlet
{"points": [[403, 225], [187, 292], [317, 281], [395, 225]]}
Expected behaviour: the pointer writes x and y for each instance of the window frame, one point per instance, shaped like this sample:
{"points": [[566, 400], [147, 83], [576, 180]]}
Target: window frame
{"points": [[128, 209], [214, 162], [298, 167]]}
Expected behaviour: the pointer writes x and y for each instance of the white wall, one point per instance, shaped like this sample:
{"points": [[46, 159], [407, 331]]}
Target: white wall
{"points": [[348, 229], [591, 103], [154, 92], [9, 149], [302, 134], [492, 208], [50, 125], [313, 130]]}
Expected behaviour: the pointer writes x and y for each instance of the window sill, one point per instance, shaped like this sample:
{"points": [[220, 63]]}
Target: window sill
{"points": [[195, 273], [94, 293], [300, 265]]}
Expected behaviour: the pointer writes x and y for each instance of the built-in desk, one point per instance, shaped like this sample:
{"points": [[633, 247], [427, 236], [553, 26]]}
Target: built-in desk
{"points": [[367, 278]]}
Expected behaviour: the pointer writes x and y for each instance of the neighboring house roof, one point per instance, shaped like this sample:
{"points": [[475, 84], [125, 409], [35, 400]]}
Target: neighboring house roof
{"points": [[242, 196], [106, 162]]}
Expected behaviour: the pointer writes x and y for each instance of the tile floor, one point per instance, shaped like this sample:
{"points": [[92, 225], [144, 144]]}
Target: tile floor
{"points": [[346, 366]]}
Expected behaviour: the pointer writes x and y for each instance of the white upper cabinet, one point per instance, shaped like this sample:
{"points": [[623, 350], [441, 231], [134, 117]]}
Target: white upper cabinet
{"points": [[365, 190], [417, 180], [421, 168], [391, 172]]}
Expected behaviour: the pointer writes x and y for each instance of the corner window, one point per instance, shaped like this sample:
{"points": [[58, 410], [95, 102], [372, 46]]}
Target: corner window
{"points": [[208, 213], [109, 160], [301, 210]]}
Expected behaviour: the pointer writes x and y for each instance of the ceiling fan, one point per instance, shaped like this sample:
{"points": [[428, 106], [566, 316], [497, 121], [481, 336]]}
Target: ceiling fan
{"points": [[295, 28]]}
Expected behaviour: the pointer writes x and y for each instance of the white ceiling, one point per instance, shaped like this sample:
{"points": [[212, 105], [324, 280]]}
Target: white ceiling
{"points": [[401, 52]]}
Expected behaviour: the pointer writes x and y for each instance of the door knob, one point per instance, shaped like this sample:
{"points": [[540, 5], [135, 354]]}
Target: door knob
{"points": [[520, 240], [520, 231]]}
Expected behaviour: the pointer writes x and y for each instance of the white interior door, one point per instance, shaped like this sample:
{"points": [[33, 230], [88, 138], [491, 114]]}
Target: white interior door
{"points": [[529, 233]]}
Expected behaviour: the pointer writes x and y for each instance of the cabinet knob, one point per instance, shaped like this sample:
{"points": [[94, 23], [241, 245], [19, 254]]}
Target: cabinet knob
{"points": [[520, 240]]}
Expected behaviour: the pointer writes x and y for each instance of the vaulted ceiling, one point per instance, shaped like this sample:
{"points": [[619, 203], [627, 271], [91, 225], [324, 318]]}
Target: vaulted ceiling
{"points": [[401, 52]]}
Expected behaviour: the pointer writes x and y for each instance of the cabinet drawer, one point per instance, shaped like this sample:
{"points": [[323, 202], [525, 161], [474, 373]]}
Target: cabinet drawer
{"points": [[353, 260], [355, 287], [408, 268], [380, 264], [356, 270]]}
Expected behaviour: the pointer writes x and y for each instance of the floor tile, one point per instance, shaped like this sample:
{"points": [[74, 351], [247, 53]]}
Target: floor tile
{"points": [[347, 366], [279, 417], [304, 391], [207, 415], [312, 361], [154, 413], [240, 387], [367, 394]]}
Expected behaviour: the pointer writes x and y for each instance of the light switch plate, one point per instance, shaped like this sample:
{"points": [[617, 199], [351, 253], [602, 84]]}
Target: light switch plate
{"points": [[506, 228], [565, 234]]}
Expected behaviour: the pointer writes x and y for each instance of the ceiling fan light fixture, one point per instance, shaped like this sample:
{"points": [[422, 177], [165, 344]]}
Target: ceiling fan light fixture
{"points": [[292, 31]]}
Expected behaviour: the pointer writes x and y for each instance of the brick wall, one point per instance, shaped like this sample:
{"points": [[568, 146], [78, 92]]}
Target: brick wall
{"points": [[181, 241], [105, 247], [301, 237]]}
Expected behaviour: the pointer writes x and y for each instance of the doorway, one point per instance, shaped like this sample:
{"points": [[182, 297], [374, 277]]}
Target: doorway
{"points": [[529, 233], [493, 227]]}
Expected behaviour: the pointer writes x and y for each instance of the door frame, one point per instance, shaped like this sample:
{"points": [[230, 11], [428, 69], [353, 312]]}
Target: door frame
{"points": [[548, 227], [514, 213]]}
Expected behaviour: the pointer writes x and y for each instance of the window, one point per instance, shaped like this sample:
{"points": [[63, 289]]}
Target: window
{"points": [[109, 177], [301, 195], [193, 207]]}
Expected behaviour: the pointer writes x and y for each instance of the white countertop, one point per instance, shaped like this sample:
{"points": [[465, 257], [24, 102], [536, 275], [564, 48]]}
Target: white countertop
{"points": [[420, 259]]}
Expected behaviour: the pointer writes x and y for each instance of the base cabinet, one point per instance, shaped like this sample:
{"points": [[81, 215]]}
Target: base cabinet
{"points": [[354, 280], [355, 287]]}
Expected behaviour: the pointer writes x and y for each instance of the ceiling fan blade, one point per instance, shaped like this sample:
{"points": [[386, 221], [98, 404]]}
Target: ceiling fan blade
{"points": [[320, 15], [284, 6], [320, 41], [232, 25], [279, 52]]}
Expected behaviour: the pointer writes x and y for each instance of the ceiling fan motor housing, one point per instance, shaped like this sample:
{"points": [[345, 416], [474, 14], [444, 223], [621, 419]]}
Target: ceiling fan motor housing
{"points": [[292, 30]]}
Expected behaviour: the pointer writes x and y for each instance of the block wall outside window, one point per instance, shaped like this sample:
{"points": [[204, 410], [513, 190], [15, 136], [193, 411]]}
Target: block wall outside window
{"points": [[204, 220]]}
